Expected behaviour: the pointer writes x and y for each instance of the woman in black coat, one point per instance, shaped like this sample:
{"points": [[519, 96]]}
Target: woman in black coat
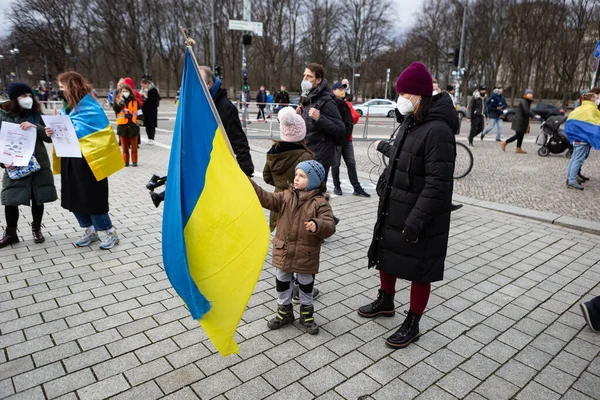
{"points": [[410, 237], [34, 189], [520, 123], [150, 107]]}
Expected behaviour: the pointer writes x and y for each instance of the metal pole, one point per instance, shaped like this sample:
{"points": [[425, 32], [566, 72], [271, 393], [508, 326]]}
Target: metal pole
{"points": [[387, 82], [352, 88], [597, 61], [244, 106], [212, 34], [17, 68], [461, 49]]}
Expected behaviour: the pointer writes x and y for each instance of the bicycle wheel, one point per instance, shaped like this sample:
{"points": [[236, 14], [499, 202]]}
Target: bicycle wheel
{"points": [[464, 161]]}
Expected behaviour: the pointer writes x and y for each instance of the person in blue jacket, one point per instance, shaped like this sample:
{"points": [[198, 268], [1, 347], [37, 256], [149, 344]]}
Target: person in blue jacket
{"points": [[495, 106]]}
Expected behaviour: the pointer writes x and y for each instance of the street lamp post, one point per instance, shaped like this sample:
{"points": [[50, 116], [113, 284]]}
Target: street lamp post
{"points": [[15, 52]]}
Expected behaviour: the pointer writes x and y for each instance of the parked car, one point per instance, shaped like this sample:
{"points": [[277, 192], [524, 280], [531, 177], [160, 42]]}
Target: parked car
{"points": [[544, 110], [377, 107]]}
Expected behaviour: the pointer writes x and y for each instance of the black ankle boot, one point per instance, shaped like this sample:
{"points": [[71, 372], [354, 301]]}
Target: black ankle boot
{"points": [[307, 319], [36, 231], [284, 316], [10, 237], [383, 305], [408, 332]]}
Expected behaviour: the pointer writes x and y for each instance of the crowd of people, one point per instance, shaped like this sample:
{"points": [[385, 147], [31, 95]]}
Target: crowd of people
{"points": [[410, 236]]}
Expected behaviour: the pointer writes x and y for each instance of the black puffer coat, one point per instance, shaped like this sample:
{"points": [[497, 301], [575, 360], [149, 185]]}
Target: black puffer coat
{"points": [[321, 134], [41, 184], [231, 122], [416, 197], [522, 115]]}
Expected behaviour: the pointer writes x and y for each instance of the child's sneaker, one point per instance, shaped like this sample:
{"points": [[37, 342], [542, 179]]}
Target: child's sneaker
{"points": [[284, 316], [88, 238], [307, 320], [109, 241]]}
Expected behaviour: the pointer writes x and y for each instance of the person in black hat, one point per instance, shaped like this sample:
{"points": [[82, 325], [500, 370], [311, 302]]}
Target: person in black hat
{"points": [[343, 146], [477, 111], [33, 189], [150, 107]]}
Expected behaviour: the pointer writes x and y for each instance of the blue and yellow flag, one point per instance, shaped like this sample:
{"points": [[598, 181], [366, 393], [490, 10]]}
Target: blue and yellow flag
{"points": [[583, 124], [215, 235], [96, 137]]}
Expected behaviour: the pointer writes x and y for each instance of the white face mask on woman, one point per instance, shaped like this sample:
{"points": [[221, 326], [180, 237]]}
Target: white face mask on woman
{"points": [[125, 94], [26, 103], [405, 106]]}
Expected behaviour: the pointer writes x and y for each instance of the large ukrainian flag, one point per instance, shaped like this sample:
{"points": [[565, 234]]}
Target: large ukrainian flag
{"points": [[583, 124], [215, 235], [96, 137]]}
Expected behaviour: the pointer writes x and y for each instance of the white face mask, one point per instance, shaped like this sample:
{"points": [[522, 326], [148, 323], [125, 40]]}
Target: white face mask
{"points": [[598, 102], [405, 106], [306, 86], [125, 94], [26, 103], [435, 92]]}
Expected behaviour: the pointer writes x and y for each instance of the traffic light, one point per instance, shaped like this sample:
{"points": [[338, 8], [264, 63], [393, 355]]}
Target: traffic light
{"points": [[247, 39], [453, 57], [245, 80], [217, 71]]}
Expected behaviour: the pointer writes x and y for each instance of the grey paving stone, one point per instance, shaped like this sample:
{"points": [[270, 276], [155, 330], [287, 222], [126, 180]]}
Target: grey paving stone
{"points": [[156, 350], [187, 355], [85, 317], [45, 329], [497, 388], [483, 333], [183, 394], [421, 376], [285, 374], [250, 348], [216, 384], [555, 379], [582, 349], [217, 362], [395, 390], [86, 359], [344, 344], [499, 351], [385, 370], [573, 394], [316, 358], [71, 334], [284, 352], [137, 327], [516, 373], [359, 386], [444, 360], [588, 384], [104, 389], [38, 376], [68, 383], [351, 363], [322, 380], [535, 391], [28, 347], [165, 331], [480, 366], [114, 321], [11, 338], [569, 363], [533, 357], [55, 353], [294, 391], [99, 339], [253, 367], [189, 338], [31, 394], [435, 393], [128, 344], [146, 391], [148, 371], [21, 323], [116, 366], [458, 383], [179, 378]]}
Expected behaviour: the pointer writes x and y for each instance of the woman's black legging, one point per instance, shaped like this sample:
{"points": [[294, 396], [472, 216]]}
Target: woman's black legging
{"points": [[518, 136], [12, 215]]}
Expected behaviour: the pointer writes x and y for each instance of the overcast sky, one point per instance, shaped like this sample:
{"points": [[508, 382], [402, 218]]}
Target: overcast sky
{"points": [[401, 21]]}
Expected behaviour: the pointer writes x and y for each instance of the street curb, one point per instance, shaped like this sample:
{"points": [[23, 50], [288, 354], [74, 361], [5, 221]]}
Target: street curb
{"points": [[579, 224]]}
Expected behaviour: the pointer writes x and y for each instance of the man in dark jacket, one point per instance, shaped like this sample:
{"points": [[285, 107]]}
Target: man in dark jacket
{"points": [[476, 112], [230, 119], [261, 100], [282, 98], [495, 105], [320, 112]]}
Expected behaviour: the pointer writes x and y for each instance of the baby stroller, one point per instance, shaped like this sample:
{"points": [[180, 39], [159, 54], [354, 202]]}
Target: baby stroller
{"points": [[552, 139]]}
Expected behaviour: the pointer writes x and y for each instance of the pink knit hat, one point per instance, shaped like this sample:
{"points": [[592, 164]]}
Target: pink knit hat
{"points": [[292, 127], [416, 79]]}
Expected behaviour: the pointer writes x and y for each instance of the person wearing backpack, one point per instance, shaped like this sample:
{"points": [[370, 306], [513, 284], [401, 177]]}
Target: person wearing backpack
{"points": [[343, 146]]}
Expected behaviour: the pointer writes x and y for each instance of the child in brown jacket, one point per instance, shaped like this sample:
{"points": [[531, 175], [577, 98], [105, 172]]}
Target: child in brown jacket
{"points": [[304, 219]]}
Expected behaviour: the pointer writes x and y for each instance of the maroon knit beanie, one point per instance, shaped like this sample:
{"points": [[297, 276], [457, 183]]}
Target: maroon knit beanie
{"points": [[416, 80]]}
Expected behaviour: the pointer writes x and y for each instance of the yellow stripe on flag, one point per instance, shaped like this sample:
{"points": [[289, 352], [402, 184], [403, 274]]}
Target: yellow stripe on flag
{"points": [[102, 153]]}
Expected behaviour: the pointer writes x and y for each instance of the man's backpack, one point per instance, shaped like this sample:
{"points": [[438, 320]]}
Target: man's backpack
{"points": [[348, 122]]}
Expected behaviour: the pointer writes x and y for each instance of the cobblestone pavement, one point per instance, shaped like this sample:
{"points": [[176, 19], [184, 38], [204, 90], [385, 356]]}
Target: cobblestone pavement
{"points": [[81, 323], [523, 180]]}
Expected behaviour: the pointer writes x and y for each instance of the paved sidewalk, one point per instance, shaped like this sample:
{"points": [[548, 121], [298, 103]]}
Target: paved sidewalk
{"points": [[505, 323]]}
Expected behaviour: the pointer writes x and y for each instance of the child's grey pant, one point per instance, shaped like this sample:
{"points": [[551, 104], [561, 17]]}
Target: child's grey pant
{"points": [[283, 284]]}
